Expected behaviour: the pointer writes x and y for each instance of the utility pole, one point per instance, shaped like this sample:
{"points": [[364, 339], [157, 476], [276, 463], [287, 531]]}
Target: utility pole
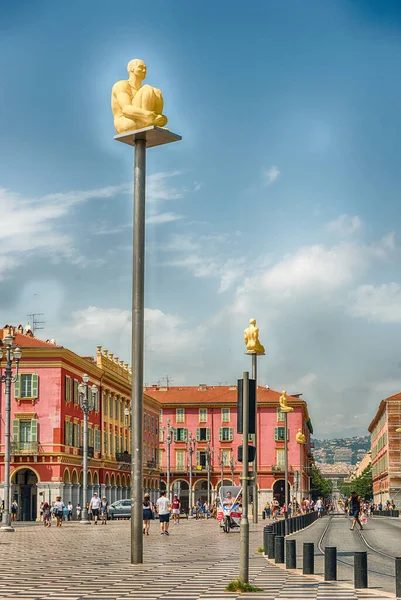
{"points": [[244, 532]]}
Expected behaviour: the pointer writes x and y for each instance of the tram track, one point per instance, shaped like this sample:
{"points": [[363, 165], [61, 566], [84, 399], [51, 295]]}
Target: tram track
{"points": [[367, 544]]}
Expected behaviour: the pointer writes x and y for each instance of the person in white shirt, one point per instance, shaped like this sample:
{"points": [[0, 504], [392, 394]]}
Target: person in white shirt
{"points": [[58, 507], [94, 506], [163, 508]]}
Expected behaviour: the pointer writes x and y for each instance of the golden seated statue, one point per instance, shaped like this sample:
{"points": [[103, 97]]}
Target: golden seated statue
{"points": [[135, 106], [284, 406], [251, 336]]}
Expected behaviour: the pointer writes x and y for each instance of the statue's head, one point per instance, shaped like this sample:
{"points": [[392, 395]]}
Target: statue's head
{"points": [[252, 321], [137, 68], [284, 393]]}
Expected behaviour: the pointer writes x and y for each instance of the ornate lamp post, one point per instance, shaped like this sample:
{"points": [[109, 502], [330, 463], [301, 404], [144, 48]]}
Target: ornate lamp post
{"points": [[11, 353], [301, 440], [86, 405], [209, 460], [190, 448], [169, 430], [220, 458], [232, 467]]}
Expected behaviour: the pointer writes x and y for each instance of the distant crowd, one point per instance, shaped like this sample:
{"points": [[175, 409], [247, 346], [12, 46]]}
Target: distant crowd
{"points": [[274, 509]]}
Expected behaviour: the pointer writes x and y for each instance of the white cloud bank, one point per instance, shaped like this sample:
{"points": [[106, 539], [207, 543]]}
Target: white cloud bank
{"points": [[344, 225]]}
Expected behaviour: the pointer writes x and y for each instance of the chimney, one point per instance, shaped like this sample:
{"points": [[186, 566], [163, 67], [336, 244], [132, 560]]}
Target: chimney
{"points": [[20, 329]]}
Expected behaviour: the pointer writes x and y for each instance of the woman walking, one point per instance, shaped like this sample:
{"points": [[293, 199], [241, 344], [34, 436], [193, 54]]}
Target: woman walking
{"points": [[147, 514], [58, 510], [104, 507], [47, 516]]}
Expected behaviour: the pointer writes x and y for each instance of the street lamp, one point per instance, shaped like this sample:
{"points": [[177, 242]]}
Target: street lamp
{"points": [[232, 467], [86, 405], [301, 440], [168, 441], [190, 448], [209, 459], [11, 353], [220, 458]]}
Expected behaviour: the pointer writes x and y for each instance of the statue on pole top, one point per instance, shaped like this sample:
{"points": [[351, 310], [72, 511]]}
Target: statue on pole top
{"points": [[251, 336], [135, 106], [284, 406], [300, 437]]}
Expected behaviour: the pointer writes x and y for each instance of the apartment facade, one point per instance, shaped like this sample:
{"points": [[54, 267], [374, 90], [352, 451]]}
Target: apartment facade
{"points": [[47, 426], [209, 414], [386, 451]]}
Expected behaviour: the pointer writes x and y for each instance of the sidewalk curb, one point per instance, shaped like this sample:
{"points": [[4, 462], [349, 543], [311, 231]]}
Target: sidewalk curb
{"points": [[320, 579]]}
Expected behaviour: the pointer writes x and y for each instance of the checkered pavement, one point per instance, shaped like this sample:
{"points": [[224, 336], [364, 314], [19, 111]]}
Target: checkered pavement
{"points": [[195, 562]]}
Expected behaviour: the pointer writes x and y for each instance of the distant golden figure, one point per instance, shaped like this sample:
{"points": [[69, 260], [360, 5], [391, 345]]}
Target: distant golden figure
{"points": [[135, 106], [300, 438], [251, 336], [284, 406]]}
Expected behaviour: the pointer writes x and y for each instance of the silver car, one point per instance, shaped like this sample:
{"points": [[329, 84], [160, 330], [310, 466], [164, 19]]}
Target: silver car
{"points": [[120, 509]]}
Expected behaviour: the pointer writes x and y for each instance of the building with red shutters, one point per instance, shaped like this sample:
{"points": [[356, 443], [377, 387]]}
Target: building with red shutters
{"points": [[209, 413]]}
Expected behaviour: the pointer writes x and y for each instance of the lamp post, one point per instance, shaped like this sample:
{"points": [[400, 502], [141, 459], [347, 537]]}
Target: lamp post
{"points": [[11, 353], [220, 458], [300, 439], [86, 405], [190, 448], [168, 441], [209, 459], [232, 467]]}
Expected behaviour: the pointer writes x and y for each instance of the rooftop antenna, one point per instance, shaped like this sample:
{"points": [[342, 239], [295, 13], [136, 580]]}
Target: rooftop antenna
{"points": [[166, 379], [35, 323], [222, 383]]}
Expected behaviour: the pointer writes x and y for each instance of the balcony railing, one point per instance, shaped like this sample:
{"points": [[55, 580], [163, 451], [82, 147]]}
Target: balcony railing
{"points": [[124, 457], [281, 468], [24, 447]]}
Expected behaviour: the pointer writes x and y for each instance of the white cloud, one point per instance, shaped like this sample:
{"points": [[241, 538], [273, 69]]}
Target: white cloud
{"points": [[271, 175], [379, 304], [344, 225], [161, 218]]}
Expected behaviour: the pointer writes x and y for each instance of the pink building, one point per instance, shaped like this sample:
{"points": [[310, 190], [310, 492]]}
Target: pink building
{"points": [[210, 414]]}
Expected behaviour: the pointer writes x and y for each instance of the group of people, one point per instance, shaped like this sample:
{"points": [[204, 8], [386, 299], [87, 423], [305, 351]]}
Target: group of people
{"points": [[273, 509], [359, 509], [96, 508]]}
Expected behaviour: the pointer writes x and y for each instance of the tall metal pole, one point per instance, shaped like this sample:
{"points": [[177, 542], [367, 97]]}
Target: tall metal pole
{"points": [[244, 533], [138, 308], [85, 520], [255, 439], [6, 520], [300, 475], [208, 475], [190, 451], [168, 467], [286, 470]]}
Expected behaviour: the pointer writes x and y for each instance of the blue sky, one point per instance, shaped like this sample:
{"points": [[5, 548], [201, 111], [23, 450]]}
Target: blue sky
{"points": [[281, 202]]}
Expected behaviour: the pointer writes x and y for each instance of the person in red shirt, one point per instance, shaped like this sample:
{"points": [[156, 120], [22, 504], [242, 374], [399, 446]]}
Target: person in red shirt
{"points": [[176, 504]]}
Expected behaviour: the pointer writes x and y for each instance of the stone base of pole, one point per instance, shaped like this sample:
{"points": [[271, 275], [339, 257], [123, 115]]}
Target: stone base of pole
{"points": [[85, 522], [7, 528]]}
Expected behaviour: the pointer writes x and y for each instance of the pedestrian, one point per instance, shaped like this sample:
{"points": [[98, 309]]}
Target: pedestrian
{"points": [[176, 505], [267, 510], [198, 509], [104, 509], [41, 511], [147, 513], [14, 510], [89, 511], [47, 515], [58, 508], [163, 508], [78, 511], [319, 506], [70, 509], [355, 509], [94, 506], [275, 508]]}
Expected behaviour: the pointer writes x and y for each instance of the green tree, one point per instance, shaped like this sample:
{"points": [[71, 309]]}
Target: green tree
{"points": [[320, 486]]}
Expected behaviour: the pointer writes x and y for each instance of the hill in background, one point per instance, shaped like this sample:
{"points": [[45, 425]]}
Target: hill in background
{"points": [[341, 450]]}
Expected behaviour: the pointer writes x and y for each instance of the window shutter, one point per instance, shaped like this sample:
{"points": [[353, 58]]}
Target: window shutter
{"points": [[17, 387], [71, 436], [35, 380], [198, 434], [208, 434], [185, 433], [276, 434], [175, 434], [66, 388], [75, 391], [34, 430], [220, 434], [231, 434], [198, 458], [15, 430]]}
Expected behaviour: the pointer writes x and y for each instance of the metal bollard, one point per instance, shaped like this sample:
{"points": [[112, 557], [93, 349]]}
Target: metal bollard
{"points": [[398, 577], [330, 563], [265, 533], [270, 544], [291, 525], [279, 549], [360, 570], [308, 558], [290, 554]]}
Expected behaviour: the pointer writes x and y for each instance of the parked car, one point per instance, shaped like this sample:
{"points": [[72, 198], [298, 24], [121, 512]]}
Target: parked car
{"points": [[120, 509]]}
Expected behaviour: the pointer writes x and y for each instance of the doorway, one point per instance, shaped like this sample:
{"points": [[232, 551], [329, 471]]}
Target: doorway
{"points": [[278, 491], [24, 485]]}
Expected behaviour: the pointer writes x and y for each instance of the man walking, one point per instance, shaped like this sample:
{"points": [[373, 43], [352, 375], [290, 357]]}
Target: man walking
{"points": [[355, 509], [94, 506], [176, 504], [163, 508]]}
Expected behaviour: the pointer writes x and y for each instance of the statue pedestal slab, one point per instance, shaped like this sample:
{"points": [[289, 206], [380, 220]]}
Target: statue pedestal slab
{"points": [[154, 136]]}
